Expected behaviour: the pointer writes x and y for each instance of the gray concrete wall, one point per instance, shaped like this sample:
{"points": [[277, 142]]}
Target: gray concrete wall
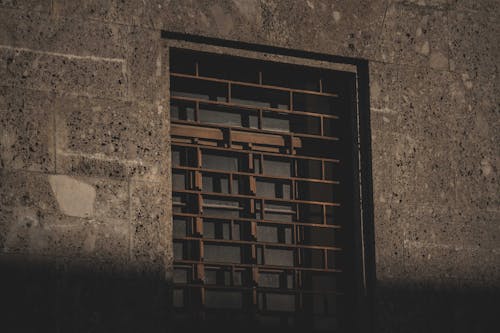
{"points": [[84, 152]]}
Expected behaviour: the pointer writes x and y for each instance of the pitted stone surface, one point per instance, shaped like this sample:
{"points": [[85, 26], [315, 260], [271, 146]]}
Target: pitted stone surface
{"points": [[54, 72], [26, 130], [474, 46], [415, 36]]}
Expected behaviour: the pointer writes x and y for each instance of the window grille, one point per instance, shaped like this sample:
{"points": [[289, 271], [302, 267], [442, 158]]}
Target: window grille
{"points": [[263, 194]]}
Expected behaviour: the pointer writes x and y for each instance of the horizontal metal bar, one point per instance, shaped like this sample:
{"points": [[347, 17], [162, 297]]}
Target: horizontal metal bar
{"points": [[256, 108], [254, 85], [259, 289], [257, 175], [242, 219], [265, 244], [253, 130], [290, 268], [245, 196]]}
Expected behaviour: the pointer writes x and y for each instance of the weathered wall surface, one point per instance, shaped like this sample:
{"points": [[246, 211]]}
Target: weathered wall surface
{"points": [[84, 153]]}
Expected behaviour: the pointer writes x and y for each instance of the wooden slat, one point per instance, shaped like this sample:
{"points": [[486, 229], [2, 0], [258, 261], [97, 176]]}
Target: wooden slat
{"points": [[256, 138], [250, 107], [190, 131], [285, 156]]}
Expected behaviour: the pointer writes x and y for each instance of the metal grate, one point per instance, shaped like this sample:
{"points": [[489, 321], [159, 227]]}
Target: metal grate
{"points": [[262, 191]]}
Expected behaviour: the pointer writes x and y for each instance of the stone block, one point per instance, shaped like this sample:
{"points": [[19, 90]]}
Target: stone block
{"points": [[90, 197], [417, 101], [476, 144], [385, 169], [31, 232], [108, 240], [26, 130], [389, 234], [125, 12], [55, 235], [431, 224], [394, 167], [115, 129], [430, 102], [47, 193], [6, 216], [480, 97], [118, 140], [452, 227], [112, 198], [147, 64], [151, 226], [97, 165], [71, 35], [385, 88], [416, 36], [474, 46], [477, 184], [26, 189], [236, 20], [434, 182], [425, 260], [58, 215], [349, 29], [337, 27], [63, 73]]}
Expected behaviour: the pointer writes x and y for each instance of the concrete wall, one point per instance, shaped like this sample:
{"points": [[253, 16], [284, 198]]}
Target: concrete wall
{"points": [[84, 152]]}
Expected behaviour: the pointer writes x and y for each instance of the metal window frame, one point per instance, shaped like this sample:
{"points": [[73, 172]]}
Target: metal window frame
{"points": [[362, 320]]}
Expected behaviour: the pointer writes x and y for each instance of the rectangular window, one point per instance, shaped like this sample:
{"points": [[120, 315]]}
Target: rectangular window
{"points": [[264, 192]]}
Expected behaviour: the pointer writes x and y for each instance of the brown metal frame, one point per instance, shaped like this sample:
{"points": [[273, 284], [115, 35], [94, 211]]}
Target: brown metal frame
{"points": [[257, 142]]}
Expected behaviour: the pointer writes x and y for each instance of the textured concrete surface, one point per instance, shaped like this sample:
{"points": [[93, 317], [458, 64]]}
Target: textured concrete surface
{"points": [[84, 151]]}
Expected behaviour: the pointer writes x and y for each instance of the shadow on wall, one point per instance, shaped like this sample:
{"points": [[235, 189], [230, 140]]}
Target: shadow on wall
{"points": [[49, 297], [42, 297], [437, 307]]}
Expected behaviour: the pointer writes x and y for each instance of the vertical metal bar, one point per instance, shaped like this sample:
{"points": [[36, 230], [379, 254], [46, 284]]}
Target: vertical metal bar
{"points": [[323, 167], [198, 157], [197, 112], [322, 125]]}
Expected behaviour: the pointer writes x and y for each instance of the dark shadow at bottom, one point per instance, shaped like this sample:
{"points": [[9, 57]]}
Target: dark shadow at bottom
{"points": [[50, 298]]}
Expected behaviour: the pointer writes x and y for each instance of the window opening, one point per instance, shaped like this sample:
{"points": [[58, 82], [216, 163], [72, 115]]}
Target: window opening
{"points": [[263, 191]]}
